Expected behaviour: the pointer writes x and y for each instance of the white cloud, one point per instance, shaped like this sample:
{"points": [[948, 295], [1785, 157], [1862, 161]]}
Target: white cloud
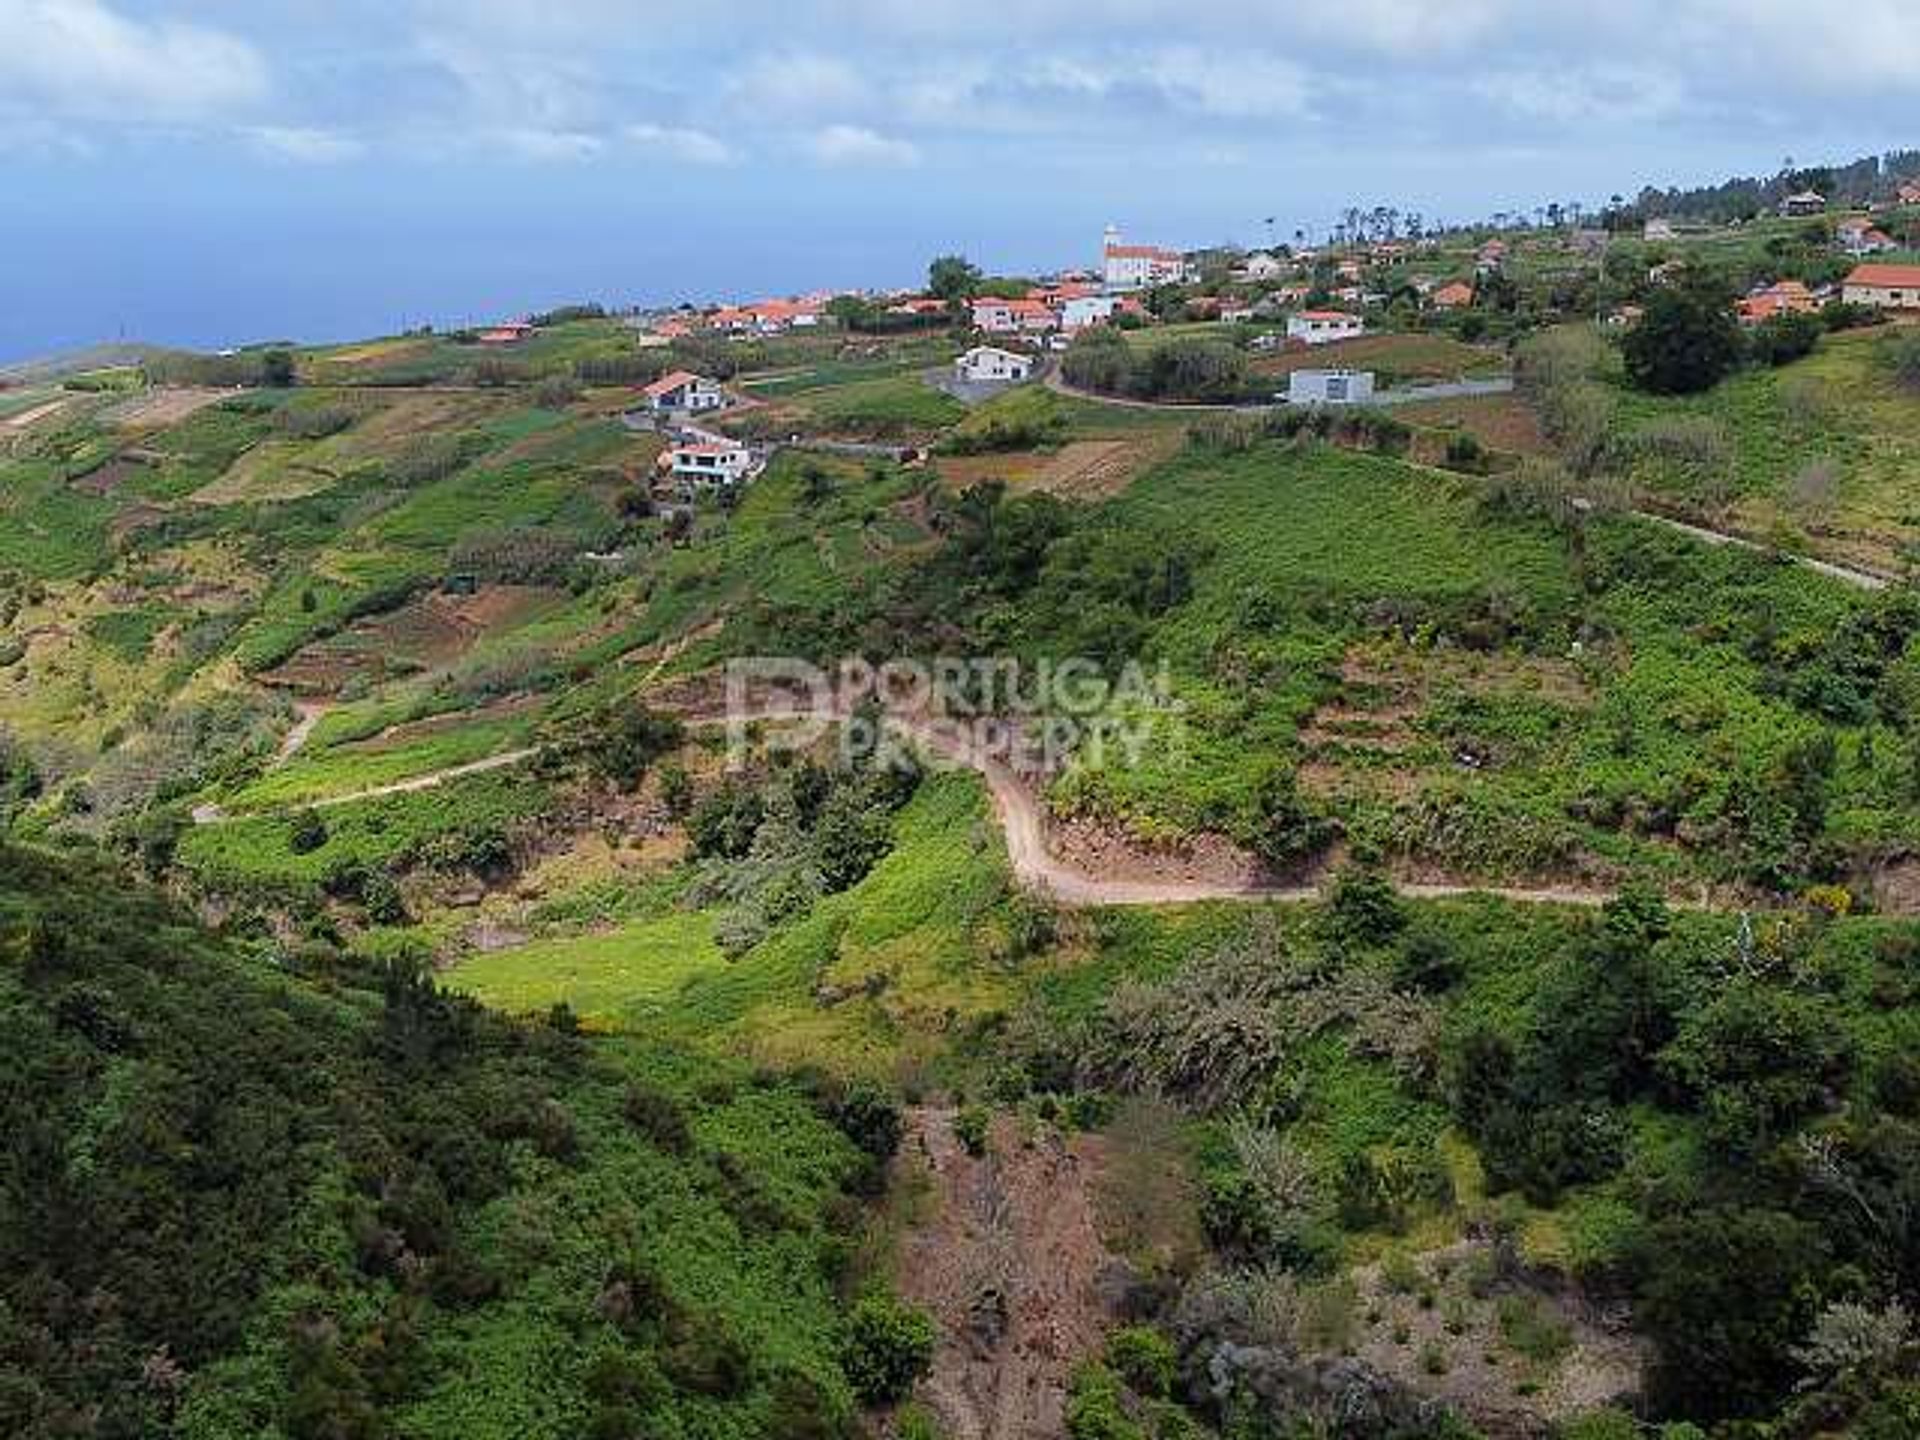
{"points": [[691, 147], [857, 145], [79, 57], [308, 146], [546, 146], [1600, 95], [797, 83], [1239, 86]]}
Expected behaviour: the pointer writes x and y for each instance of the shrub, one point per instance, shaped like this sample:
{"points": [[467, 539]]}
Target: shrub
{"points": [[1096, 1408], [1783, 339], [307, 833], [970, 1128], [888, 1347], [1144, 1358], [1900, 353], [312, 423], [658, 1116], [1466, 454]]}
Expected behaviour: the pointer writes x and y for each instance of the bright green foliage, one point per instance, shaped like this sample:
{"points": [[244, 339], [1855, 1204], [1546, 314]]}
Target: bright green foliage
{"points": [[340, 1201], [1144, 1358], [888, 1347]]}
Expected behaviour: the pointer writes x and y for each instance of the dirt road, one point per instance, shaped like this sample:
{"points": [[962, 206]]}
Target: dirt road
{"points": [[1023, 822]]}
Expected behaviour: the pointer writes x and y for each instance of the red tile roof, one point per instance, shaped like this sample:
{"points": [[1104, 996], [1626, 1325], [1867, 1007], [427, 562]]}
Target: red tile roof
{"points": [[668, 383], [1891, 277]]}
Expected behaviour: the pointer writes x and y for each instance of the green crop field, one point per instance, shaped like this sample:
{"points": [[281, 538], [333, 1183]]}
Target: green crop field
{"points": [[630, 971]]}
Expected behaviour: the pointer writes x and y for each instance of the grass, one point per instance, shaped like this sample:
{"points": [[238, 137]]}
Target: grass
{"points": [[1837, 406], [897, 405], [352, 767], [254, 854], [1394, 358], [634, 969]]}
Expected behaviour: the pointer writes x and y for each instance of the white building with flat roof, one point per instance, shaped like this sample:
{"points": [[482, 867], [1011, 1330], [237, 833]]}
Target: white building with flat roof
{"points": [[1330, 387]]}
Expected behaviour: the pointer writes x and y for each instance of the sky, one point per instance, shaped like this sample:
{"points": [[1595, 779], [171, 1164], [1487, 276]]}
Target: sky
{"points": [[218, 172]]}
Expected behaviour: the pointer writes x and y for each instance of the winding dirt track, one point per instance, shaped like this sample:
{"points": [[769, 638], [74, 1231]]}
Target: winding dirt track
{"points": [[1022, 821]]}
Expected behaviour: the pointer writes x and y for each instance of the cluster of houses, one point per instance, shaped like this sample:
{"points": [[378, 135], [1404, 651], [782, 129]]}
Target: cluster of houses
{"points": [[697, 460]]}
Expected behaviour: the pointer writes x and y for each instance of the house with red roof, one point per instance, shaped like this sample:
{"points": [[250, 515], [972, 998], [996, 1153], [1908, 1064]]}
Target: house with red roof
{"points": [[998, 315], [1456, 295], [508, 332], [1883, 286], [1783, 297], [683, 390]]}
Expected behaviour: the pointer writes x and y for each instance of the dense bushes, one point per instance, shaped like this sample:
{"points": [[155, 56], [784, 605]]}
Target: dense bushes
{"points": [[205, 1241], [771, 850], [1101, 360]]}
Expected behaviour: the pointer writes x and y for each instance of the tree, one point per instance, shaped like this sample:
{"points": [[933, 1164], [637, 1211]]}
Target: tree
{"points": [[1688, 340], [276, 369], [952, 278]]}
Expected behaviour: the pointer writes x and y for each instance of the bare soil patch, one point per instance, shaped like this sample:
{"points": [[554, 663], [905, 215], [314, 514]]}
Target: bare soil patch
{"points": [[1448, 1341], [1896, 887], [107, 478], [1501, 422], [424, 634], [1011, 1266], [38, 413], [159, 408], [1081, 469]]}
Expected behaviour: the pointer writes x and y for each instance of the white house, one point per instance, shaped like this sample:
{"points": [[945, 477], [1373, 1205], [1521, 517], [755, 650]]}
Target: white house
{"points": [[683, 390], [1330, 387], [1658, 228], [987, 363], [1807, 202], [1262, 266], [1079, 311], [1322, 327], [1885, 287], [1133, 267], [710, 463]]}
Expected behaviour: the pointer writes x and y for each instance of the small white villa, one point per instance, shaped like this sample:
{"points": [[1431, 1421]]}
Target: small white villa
{"points": [[683, 390], [1330, 387], [985, 363], [710, 464], [1323, 327]]}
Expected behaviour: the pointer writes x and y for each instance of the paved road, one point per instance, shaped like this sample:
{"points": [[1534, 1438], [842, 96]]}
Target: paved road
{"points": [[1447, 390]]}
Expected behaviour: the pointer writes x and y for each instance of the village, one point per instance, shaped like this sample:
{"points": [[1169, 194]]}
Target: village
{"points": [[1366, 280]]}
